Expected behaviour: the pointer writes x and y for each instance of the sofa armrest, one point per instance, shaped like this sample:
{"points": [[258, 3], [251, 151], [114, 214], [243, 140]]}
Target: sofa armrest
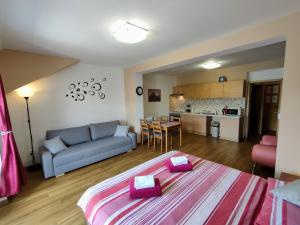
{"points": [[133, 139], [269, 140], [264, 155], [47, 162]]}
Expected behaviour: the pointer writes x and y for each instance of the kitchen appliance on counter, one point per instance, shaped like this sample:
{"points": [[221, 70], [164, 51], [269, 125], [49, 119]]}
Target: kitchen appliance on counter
{"points": [[174, 116], [230, 112], [188, 108]]}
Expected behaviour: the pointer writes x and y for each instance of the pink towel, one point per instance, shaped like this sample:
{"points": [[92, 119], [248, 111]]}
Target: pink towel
{"points": [[179, 168], [146, 192]]}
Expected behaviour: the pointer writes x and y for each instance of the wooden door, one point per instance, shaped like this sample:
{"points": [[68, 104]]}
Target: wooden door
{"points": [[271, 107], [234, 89], [216, 90]]}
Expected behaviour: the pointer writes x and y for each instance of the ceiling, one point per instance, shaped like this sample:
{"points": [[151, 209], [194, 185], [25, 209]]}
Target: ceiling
{"points": [[265, 53], [81, 28]]}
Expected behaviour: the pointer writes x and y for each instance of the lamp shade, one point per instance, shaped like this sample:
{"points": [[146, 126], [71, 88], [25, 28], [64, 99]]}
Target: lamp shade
{"points": [[25, 92]]}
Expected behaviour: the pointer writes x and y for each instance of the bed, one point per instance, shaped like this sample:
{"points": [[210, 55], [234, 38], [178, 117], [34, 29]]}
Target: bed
{"points": [[210, 194]]}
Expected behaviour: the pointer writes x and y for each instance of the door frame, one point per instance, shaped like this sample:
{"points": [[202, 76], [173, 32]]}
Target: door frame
{"points": [[248, 99]]}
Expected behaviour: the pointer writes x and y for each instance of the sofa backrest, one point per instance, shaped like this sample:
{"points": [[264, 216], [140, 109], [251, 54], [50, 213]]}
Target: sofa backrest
{"points": [[102, 130], [71, 136]]}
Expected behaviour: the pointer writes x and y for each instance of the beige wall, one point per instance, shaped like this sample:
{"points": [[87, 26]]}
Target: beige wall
{"points": [[285, 28], [232, 73], [20, 68], [51, 109], [158, 81]]}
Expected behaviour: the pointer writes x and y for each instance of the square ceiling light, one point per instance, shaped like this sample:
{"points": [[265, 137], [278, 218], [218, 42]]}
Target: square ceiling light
{"points": [[130, 33], [211, 65]]}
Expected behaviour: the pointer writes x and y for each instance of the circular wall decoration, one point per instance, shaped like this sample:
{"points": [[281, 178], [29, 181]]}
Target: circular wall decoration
{"points": [[139, 90]]}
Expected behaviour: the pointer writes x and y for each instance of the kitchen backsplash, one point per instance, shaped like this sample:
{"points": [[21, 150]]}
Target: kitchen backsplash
{"points": [[215, 105]]}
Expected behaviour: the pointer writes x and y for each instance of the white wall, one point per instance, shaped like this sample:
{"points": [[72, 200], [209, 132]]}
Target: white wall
{"points": [[264, 75], [51, 109], [158, 81]]}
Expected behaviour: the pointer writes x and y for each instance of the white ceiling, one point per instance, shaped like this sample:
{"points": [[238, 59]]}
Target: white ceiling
{"points": [[81, 28], [265, 53]]}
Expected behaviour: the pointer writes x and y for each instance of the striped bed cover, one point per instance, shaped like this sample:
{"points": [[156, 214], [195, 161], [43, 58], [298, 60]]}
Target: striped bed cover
{"points": [[276, 211], [210, 194]]}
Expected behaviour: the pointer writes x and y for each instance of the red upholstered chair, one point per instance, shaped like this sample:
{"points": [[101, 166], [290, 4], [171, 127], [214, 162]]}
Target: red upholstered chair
{"points": [[264, 153]]}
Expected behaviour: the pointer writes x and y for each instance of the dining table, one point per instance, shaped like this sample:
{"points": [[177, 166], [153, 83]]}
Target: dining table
{"points": [[167, 127]]}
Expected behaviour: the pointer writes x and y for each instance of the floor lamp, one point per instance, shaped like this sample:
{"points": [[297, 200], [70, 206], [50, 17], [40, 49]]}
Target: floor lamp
{"points": [[27, 93]]}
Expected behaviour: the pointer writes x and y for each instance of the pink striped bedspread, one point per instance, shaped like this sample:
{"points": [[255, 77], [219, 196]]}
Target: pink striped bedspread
{"points": [[276, 211], [210, 194]]}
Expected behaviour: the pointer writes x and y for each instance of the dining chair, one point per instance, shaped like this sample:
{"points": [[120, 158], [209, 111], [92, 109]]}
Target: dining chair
{"points": [[158, 134], [146, 131]]}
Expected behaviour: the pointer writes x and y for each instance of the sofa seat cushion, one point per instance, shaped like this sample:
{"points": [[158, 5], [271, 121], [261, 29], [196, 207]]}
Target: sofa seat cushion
{"points": [[103, 130], [71, 136], [89, 149]]}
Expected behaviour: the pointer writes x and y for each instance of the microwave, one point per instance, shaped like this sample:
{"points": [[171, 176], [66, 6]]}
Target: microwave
{"points": [[233, 112]]}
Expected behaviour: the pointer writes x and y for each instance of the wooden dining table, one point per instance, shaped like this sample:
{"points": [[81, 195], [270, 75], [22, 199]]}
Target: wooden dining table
{"points": [[167, 127]]}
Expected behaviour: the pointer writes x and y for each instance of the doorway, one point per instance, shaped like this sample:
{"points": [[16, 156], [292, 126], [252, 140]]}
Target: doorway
{"points": [[264, 108]]}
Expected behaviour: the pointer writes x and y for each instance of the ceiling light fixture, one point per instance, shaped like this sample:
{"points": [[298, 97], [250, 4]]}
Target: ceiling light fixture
{"points": [[130, 33], [211, 65]]}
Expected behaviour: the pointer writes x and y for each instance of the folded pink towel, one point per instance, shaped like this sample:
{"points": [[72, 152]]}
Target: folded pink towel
{"points": [[179, 168], [146, 192]]}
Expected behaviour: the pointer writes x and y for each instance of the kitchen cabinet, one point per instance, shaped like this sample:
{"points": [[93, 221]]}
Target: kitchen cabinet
{"points": [[230, 89], [234, 89], [196, 124], [202, 91], [231, 128], [216, 90], [178, 90]]}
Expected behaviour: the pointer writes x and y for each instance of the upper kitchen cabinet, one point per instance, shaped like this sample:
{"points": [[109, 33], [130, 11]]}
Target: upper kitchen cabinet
{"points": [[202, 91], [230, 89], [178, 90], [216, 90], [234, 89]]}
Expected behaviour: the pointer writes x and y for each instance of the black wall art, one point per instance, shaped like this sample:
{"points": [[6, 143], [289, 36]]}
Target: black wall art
{"points": [[80, 90]]}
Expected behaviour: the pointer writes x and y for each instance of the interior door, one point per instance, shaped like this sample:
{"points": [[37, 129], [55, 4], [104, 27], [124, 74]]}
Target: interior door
{"points": [[271, 107]]}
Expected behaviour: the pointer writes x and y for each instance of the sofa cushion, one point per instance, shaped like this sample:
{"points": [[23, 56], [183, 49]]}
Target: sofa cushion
{"points": [[102, 130], [71, 136], [55, 145], [89, 149], [121, 131]]}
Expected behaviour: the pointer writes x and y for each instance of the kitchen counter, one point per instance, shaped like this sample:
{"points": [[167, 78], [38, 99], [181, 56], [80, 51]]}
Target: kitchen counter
{"points": [[231, 127], [220, 116]]}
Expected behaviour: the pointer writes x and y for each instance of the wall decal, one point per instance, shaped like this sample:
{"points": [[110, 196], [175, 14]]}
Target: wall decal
{"points": [[78, 91]]}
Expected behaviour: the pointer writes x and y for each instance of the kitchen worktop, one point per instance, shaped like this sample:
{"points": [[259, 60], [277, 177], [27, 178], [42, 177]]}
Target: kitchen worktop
{"points": [[203, 114]]}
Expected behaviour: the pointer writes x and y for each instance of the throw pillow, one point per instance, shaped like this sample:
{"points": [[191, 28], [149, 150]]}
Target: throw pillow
{"points": [[55, 145], [121, 131], [289, 192]]}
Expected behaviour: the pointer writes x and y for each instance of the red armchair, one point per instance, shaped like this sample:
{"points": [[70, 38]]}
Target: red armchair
{"points": [[264, 153]]}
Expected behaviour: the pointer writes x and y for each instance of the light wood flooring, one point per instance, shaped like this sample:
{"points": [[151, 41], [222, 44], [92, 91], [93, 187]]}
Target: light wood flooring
{"points": [[53, 201]]}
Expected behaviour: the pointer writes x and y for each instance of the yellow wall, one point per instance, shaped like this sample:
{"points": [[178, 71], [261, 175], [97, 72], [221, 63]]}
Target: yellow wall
{"points": [[232, 73], [285, 28]]}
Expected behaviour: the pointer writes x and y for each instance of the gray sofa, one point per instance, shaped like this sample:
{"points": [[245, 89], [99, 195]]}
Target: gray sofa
{"points": [[86, 145]]}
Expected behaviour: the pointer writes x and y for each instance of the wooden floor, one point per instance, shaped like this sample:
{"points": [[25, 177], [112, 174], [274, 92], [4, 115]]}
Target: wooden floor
{"points": [[53, 201]]}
